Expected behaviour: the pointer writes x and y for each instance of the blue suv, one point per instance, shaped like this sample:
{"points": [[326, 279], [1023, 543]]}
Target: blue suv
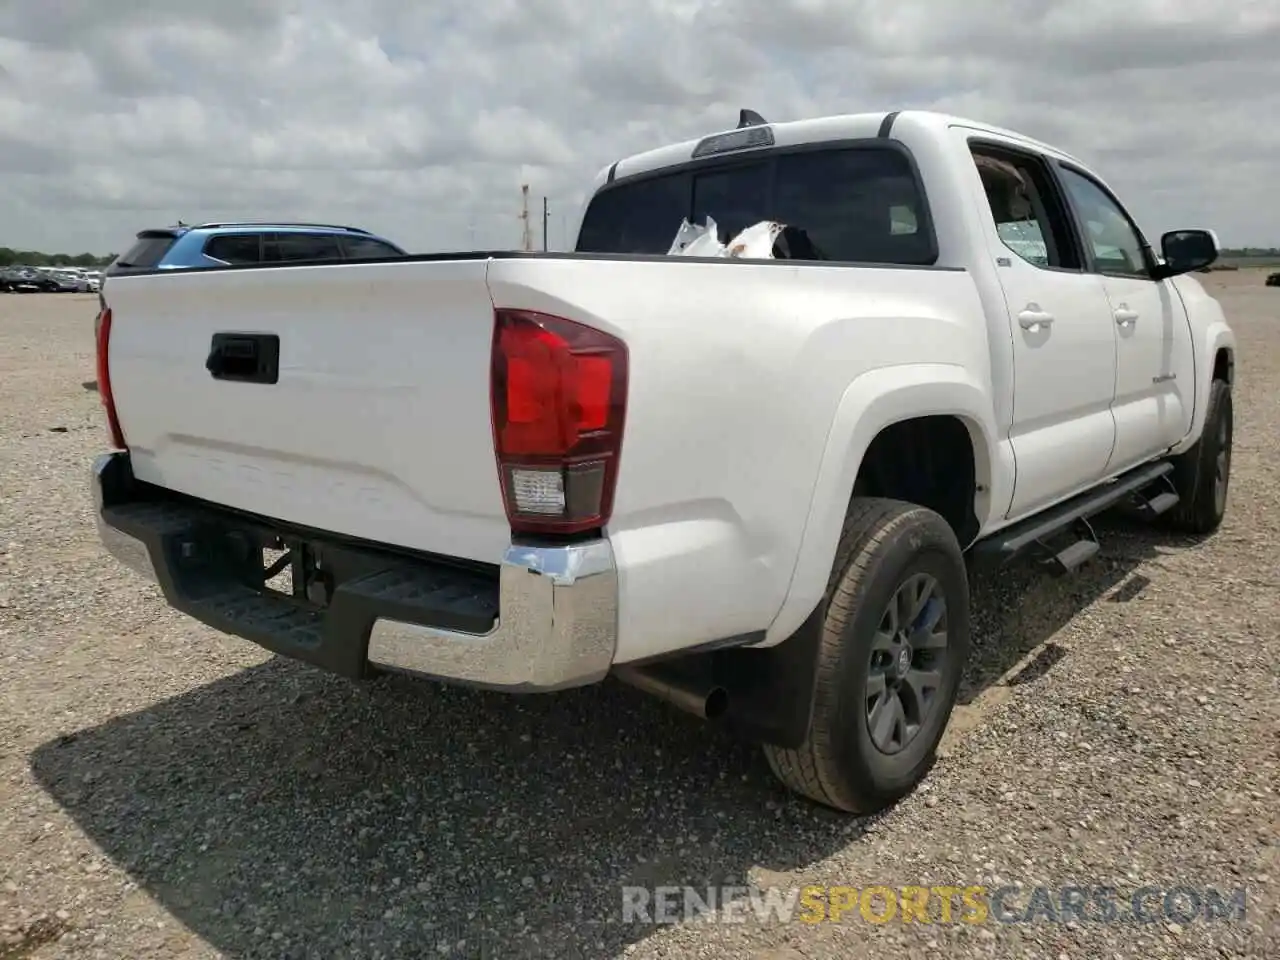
{"points": [[224, 244]]}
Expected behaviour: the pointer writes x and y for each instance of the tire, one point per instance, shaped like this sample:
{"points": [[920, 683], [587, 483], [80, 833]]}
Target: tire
{"points": [[885, 545], [1202, 474]]}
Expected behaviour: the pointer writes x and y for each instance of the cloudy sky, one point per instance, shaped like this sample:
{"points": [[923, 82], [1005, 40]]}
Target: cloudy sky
{"points": [[421, 120]]}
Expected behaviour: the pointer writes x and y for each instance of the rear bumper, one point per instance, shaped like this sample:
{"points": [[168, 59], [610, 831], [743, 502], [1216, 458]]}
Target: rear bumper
{"points": [[544, 619]]}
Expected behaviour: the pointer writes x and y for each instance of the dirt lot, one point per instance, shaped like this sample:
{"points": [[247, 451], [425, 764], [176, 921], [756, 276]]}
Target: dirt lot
{"points": [[168, 791]]}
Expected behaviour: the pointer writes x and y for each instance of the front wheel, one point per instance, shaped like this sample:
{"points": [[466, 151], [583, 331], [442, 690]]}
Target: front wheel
{"points": [[894, 643], [1202, 474]]}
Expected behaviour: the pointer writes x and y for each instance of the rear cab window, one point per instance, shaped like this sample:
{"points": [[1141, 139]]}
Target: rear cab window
{"points": [[638, 217], [147, 251], [855, 203], [734, 198]]}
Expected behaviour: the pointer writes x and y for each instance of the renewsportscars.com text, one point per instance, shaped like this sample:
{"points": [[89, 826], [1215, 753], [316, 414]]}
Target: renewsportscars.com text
{"points": [[967, 904]]}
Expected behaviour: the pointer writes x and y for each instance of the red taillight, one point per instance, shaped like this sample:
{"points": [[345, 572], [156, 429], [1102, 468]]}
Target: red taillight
{"points": [[102, 334], [558, 391]]}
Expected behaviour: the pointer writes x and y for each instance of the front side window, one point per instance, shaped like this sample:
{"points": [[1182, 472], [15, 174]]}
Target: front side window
{"points": [[850, 204], [1109, 235]]}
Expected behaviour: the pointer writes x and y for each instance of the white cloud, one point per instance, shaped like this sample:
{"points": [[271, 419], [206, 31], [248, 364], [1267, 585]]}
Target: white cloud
{"points": [[420, 121]]}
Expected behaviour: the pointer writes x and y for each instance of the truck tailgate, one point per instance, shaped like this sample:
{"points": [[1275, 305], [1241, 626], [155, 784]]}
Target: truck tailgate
{"points": [[378, 426]]}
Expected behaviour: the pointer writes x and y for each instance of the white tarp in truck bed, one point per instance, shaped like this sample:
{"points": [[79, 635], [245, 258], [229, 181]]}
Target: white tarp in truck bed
{"points": [[754, 243], [765, 240]]}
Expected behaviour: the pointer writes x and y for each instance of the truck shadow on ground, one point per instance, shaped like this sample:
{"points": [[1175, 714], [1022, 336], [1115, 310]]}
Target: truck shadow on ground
{"points": [[282, 812], [1019, 608]]}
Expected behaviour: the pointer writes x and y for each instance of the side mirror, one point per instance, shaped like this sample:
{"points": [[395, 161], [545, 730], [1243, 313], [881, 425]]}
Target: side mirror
{"points": [[1187, 250]]}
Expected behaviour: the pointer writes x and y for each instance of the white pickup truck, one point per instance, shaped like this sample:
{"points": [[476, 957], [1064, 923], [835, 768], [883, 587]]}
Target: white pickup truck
{"points": [[748, 486]]}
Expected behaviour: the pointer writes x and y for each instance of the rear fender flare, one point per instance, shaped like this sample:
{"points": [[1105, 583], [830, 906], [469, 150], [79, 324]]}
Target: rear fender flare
{"points": [[875, 400]]}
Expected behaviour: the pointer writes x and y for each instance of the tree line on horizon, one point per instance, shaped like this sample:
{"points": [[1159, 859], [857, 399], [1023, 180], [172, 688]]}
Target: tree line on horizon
{"points": [[1240, 252], [34, 258]]}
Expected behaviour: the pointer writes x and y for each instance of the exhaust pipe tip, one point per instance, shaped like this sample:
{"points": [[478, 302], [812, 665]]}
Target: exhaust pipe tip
{"points": [[709, 702]]}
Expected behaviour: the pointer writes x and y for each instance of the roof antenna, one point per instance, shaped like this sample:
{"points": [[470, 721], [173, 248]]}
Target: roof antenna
{"points": [[749, 118]]}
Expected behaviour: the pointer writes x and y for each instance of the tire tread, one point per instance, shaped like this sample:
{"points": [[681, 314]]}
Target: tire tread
{"points": [[810, 768], [1195, 513]]}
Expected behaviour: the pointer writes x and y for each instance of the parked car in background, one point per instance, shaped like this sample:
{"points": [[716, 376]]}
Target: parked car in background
{"points": [[26, 280], [233, 244], [67, 281]]}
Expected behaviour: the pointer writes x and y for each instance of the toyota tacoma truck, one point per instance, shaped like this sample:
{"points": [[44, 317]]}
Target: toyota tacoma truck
{"points": [[751, 487]]}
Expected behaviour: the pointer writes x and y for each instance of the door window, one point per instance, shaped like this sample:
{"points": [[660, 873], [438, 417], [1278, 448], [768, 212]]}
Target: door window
{"points": [[367, 248], [303, 246], [235, 248], [1029, 217], [1111, 237]]}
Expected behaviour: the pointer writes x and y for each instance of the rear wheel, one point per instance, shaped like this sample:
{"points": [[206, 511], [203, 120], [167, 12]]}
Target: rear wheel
{"points": [[1202, 474], [895, 638]]}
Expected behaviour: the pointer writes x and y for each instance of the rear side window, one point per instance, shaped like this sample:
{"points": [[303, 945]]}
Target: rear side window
{"points": [[1029, 217], [367, 248], [235, 248], [147, 251], [853, 204], [302, 246]]}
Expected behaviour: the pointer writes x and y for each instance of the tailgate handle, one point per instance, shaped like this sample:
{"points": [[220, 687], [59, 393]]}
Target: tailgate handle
{"points": [[244, 357]]}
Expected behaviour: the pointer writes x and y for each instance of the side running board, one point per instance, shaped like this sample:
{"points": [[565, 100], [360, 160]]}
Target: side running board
{"points": [[1062, 534]]}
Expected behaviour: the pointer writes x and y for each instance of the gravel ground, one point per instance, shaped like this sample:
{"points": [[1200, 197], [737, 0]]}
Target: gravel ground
{"points": [[168, 791]]}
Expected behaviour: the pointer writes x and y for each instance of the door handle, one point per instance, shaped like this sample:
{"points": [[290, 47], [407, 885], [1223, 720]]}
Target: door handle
{"points": [[1032, 316], [1124, 315]]}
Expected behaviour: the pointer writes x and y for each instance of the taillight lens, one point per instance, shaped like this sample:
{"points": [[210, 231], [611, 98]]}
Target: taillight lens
{"points": [[558, 391], [102, 335]]}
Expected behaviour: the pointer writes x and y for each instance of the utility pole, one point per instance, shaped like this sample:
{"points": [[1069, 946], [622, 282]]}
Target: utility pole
{"points": [[526, 238], [544, 224]]}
